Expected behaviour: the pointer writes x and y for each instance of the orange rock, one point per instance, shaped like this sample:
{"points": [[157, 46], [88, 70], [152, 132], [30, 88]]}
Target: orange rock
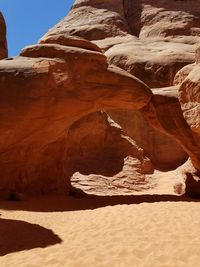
{"points": [[163, 151], [127, 182], [75, 41], [173, 123], [41, 97], [68, 53], [54, 83], [152, 41]]}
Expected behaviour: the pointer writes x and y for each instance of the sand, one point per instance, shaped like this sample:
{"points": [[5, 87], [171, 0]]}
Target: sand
{"points": [[64, 231]]}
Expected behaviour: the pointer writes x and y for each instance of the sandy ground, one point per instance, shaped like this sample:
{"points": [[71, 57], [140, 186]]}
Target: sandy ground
{"points": [[146, 231]]}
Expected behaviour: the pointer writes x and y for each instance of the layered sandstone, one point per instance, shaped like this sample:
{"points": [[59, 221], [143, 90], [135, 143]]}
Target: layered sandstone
{"points": [[3, 42], [128, 181]]}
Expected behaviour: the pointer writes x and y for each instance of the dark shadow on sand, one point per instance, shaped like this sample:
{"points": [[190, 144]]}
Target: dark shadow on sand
{"points": [[71, 203], [17, 235]]}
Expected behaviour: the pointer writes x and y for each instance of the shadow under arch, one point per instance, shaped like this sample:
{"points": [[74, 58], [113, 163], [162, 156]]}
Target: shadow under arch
{"points": [[17, 236], [58, 203], [96, 144]]}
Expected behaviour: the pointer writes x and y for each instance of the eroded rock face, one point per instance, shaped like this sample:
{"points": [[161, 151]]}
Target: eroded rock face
{"points": [[3, 42], [189, 96], [148, 18], [189, 93], [56, 82], [174, 124], [151, 40], [41, 97], [183, 73], [167, 32], [164, 152], [93, 20], [153, 60]]}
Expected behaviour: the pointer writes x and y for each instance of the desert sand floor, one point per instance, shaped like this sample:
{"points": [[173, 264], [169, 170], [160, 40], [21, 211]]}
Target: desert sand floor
{"points": [[140, 231]]}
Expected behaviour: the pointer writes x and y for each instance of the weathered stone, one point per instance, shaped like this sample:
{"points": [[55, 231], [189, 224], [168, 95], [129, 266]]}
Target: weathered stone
{"points": [[174, 124], [75, 41], [40, 98], [68, 53], [164, 152], [127, 182], [183, 73], [150, 40], [61, 79], [93, 20]]}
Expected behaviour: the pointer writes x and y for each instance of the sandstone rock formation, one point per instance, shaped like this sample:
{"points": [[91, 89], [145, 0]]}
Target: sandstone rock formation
{"points": [[151, 40], [3, 42], [126, 182], [154, 57], [189, 98], [164, 152], [43, 92], [64, 77]]}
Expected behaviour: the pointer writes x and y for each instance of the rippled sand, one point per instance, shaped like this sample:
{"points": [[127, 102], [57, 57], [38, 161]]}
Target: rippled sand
{"points": [[161, 233]]}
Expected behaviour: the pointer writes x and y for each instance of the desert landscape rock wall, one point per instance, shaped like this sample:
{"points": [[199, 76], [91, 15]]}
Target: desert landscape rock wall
{"points": [[88, 63]]}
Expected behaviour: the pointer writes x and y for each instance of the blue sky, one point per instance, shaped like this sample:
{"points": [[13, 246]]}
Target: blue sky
{"points": [[28, 20]]}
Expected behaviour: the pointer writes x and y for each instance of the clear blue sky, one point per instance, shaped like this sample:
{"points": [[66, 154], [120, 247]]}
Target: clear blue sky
{"points": [[28, 20]]}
